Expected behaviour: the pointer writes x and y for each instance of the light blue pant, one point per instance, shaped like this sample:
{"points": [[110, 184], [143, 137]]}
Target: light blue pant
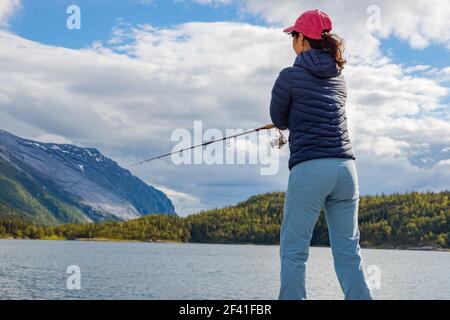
{"points": [[331, 183]]}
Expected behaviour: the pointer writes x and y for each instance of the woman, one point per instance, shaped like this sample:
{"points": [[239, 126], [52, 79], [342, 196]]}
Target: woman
{"points": [[309, 100]]}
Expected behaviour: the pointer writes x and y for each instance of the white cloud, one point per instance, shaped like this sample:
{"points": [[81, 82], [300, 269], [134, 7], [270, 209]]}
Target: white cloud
{"points": [[420, 22], [52, 138], [183, 202], [417, 68], [7, 8], [444, 163]]}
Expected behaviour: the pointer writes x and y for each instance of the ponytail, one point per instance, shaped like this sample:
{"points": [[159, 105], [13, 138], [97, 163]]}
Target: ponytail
{"points": [[335, 46], [330, 43]]}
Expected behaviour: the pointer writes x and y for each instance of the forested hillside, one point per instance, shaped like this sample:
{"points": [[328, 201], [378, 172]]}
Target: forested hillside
{"points": [[397, 220]]}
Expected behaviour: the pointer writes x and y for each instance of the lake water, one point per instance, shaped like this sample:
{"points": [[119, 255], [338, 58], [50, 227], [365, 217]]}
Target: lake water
{"points": [[37, 270]]}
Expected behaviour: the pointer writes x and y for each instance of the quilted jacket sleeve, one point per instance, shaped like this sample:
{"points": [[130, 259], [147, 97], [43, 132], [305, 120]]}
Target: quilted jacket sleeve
{"points": [[281, 100]]}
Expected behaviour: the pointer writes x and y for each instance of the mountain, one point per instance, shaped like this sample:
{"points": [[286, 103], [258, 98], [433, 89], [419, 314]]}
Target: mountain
{"points": [[61, 183]]}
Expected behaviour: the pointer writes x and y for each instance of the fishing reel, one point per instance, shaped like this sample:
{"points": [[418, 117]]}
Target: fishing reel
{"points": [[279, 141]]}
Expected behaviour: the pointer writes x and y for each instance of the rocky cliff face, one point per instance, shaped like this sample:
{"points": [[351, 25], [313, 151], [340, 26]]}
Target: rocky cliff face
{"points": [[81, 183]]}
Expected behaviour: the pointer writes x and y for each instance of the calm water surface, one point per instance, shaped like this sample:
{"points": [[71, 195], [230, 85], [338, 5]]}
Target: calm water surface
{"points": [[37, 270]]}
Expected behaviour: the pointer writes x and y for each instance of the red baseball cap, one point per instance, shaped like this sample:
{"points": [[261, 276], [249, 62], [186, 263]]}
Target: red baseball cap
{"points": [[311, 24]]}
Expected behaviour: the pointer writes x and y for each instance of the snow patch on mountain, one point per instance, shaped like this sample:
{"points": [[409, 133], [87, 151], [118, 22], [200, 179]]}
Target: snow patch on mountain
{"points": [[102, 188]]}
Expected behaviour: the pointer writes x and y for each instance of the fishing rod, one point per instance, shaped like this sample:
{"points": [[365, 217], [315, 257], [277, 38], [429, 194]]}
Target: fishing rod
{"points": [[266, 127]]}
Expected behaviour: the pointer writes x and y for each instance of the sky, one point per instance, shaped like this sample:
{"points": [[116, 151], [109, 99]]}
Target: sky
{"points": [[137, 70]]}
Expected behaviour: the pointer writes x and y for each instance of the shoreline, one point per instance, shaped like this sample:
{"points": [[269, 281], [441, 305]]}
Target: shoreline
{"points": [[406, 248]]}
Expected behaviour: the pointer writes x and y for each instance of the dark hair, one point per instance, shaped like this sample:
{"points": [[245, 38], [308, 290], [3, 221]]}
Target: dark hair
{"points": [[329, 42]]}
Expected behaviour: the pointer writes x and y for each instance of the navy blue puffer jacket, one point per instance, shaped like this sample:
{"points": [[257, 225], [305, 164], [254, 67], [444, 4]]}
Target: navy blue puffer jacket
{"points": [[309, 100]]}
